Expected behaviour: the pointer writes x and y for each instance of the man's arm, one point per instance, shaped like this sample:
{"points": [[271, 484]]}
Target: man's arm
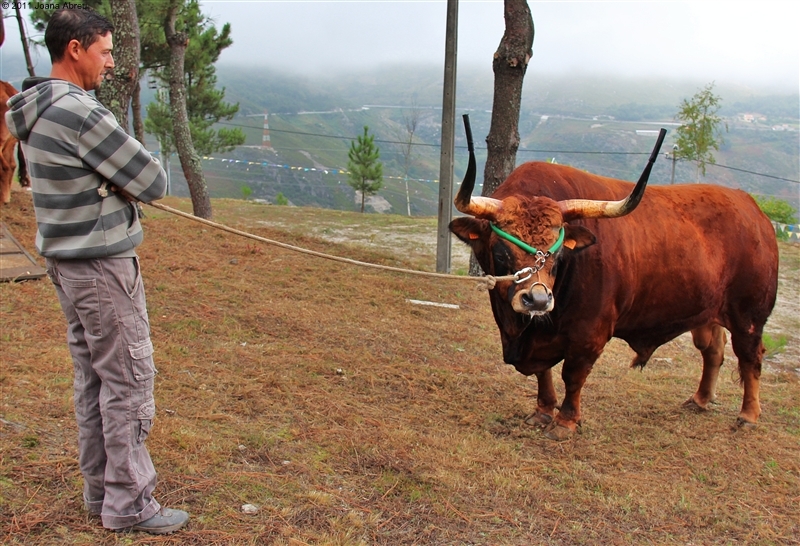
{"points": [[120, 158]]}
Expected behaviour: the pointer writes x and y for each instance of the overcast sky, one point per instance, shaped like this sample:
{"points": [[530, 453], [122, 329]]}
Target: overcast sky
{"points": [[752, 42]]}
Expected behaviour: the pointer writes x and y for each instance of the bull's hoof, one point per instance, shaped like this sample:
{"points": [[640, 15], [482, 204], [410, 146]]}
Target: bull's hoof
{"points": [[691, 405], [559, 433], [539, 419], [744, 424]]}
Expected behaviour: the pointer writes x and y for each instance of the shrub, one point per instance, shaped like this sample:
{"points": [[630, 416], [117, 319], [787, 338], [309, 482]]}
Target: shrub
{"points": [[777, 210]]}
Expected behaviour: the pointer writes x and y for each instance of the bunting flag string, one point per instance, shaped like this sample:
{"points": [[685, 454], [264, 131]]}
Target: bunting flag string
{"points": [[306, 169], [792, 231]]}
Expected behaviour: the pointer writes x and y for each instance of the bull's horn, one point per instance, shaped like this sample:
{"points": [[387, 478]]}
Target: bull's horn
{"points": [[586, 208], [479, 207]]}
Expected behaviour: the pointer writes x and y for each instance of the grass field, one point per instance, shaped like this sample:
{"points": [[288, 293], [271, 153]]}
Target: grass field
{"points": [[315, 391]]}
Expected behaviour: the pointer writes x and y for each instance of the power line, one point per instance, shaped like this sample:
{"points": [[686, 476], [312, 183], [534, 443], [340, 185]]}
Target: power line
{"points": [[755, 173], [520, 150], [338, 137], [341, 137]]}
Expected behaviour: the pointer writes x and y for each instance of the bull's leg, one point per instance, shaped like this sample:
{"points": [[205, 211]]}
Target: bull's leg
{"points": [[574, 372], [749, 350], [5, 189], [545, 400], [711, 341], [6, 171]]}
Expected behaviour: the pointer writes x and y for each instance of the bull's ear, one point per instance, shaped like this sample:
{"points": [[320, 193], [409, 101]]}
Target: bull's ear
{"points": [[578, 237], [475, 233], [472, 231]]}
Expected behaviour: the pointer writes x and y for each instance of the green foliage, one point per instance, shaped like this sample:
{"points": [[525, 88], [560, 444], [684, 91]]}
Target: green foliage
{"points": [[247, 191], [204, 102], [41, 11], [281, 199], [773, 346], [700, 132], [776, 209], [366, 171]]}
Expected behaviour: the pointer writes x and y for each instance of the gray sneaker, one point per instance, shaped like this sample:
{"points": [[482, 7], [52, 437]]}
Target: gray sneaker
{"points": [[164, 522]]}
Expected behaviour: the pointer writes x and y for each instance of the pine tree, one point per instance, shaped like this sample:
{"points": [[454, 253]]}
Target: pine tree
{"points": [[366, 171], [204, 102]]}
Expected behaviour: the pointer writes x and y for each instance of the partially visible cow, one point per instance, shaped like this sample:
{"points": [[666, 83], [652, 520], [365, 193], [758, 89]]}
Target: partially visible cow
{"points": [[696, 258], [7, 145]]}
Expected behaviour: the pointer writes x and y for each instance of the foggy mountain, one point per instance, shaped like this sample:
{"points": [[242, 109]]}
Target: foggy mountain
{"points": [[604, 125]]}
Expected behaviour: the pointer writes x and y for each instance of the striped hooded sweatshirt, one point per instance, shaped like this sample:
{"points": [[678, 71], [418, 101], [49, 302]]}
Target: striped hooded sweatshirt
{"points": [[75, 151]]}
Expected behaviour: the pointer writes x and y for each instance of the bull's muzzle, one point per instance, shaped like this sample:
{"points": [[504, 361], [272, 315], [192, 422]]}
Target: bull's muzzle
{"points": [[537, 300]]}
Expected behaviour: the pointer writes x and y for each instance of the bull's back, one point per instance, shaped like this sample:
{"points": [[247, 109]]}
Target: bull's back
{"points": [[694, 254]]}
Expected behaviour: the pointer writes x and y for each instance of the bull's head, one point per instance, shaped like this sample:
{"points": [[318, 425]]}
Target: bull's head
{"points": [[525, 236]]}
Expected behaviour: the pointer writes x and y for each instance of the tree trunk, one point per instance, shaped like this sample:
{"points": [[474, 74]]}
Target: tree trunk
{"points": [[190, 161], [136, 111], [509, 66], [116, 94], [25, 49]]}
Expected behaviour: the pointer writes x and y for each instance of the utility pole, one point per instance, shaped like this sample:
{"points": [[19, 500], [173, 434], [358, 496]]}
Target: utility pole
{"points": [[163, 95], [408, 198], [674, 159], [443, 240]]}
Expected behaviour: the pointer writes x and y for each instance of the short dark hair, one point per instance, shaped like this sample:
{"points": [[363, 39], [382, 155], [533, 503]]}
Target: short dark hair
{"points": [[65, 25]]}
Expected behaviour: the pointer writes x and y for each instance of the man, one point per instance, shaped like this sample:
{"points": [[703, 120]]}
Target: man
{"points": [[85, 173]]}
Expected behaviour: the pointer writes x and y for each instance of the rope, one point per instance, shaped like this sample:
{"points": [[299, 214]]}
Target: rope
{"points": [[484, 283]]}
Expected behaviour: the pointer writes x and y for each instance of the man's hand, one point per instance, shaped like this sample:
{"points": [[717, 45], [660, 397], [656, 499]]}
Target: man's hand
{"points": [[123, 193]]}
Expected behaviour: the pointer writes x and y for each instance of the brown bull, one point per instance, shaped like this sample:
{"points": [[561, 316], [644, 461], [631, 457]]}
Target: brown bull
{"points": [[696, 258], [7, 145]]}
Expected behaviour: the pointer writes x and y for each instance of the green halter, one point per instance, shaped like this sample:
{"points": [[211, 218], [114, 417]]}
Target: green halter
{"points": [[526, 247]]}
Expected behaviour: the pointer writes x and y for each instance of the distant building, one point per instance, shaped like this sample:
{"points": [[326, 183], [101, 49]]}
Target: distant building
{"points": [[752, 118]]}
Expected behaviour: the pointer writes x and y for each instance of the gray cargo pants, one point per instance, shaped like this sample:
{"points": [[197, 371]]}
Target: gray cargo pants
{"points": [[108, 334]]}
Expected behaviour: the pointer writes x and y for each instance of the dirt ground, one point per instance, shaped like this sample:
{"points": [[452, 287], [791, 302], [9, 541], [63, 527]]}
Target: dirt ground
{"points": [[347, 415]]}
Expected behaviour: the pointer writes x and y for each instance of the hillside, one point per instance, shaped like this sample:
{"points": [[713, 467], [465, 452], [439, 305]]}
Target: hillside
{"points": [[601, 125], [590, 122]]}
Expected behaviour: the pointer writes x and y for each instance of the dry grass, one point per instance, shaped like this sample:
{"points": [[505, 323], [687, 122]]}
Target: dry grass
{"points": [[349, 416]]}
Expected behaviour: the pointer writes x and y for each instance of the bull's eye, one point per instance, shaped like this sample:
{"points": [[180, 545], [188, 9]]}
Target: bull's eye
{"points": [[503, 260]]}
